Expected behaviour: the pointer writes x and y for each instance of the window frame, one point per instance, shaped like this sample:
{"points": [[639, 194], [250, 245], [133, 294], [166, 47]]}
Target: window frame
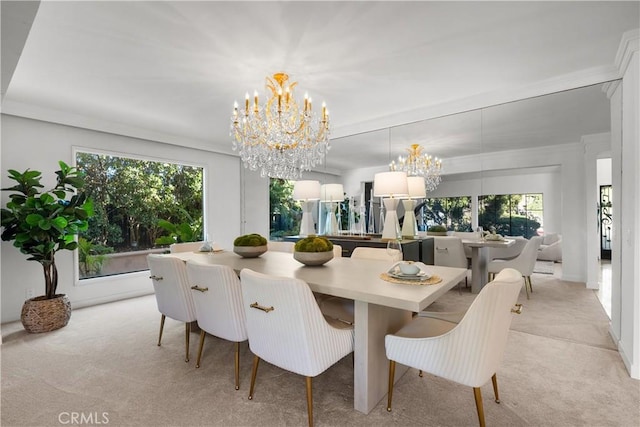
{"points": [[77, 281]]}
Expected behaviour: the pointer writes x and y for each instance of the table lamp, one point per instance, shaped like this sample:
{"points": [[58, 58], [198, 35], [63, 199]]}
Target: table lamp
{"points": [[306, 192], [331, 193], [391, 186], [417, 190]]}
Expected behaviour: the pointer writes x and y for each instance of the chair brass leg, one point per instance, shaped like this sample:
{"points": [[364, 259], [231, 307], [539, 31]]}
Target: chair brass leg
{"points": [[187, 331], [254, 371], [526, 288], [310, 400], [202, 336], [237, 362], [420, 373], [530, 286], [494, 380], [161, 328], [392, 374], [478, 395]]}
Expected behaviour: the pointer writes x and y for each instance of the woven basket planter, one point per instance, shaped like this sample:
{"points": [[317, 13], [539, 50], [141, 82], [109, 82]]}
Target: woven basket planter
{"points": [[44, 315]]}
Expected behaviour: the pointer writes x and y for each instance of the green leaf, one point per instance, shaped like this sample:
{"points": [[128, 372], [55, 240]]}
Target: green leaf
{"points": [[46, 198], [44, 224], [33, 219], [59, 223]]}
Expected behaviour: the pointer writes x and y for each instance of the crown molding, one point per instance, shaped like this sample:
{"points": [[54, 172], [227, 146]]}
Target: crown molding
{"points": [[629, 44], [560, 83]]}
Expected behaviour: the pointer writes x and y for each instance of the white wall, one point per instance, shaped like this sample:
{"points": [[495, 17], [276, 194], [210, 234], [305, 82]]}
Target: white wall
{"points": [[628, 198], [39, 145]]}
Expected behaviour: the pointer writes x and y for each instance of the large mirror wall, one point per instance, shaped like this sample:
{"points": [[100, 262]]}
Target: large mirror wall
{"points": [[482, 146], [543, 121]]}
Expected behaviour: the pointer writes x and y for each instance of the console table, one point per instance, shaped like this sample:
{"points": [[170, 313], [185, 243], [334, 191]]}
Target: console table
{"points": [[412, 250]]}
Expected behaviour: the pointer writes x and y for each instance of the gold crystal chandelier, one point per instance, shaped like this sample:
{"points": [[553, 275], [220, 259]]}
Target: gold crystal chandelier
{"points": [[421, 164], [280, 138]]}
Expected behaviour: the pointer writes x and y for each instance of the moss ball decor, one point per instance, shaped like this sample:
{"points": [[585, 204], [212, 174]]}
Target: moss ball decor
{"points": [[253, 239], [314, 244], [250, 245], [313, 251]]}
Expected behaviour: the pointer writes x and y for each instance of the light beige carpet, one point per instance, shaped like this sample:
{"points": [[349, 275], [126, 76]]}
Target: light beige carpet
{"points": [[560, 369]]}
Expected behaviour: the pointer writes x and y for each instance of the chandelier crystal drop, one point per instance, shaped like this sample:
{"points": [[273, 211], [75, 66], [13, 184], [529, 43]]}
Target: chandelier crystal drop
{"points": [[281, 138], [421, 164]]}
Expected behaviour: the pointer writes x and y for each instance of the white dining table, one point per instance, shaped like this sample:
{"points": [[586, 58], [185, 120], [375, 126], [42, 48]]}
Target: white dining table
{"points": [[480, 259], [381, 307]]}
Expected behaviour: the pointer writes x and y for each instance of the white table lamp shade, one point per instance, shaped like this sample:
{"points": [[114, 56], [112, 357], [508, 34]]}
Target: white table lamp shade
{"points": [[390, 184], [417, 188], [331, 193], [306, 190]]}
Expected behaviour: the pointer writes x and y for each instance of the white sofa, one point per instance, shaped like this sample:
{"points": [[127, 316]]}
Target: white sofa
{"points": [[551, 248]]}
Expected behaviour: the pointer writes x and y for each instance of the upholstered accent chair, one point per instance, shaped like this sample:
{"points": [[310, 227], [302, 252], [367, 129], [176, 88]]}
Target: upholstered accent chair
{"points": [[470, 235], [524, 263], [286, 328], [449, 252], [468, 352], [185, 247], [173, 296], [280, 246], [509, 252], [217, 296], [373, 253], [342, 309]]}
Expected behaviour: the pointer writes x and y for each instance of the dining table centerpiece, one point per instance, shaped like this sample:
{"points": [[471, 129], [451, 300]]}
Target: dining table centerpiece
{"points": [[313, 250], [437, 230], [250, 245]]}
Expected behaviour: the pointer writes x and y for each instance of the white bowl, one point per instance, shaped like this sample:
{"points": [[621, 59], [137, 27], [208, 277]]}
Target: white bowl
{"points": [[313, 258], [250, 251], [409, 268]]}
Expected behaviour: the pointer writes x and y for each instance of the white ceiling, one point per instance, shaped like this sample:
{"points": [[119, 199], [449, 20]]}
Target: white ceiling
{"points": [[170, 71]]}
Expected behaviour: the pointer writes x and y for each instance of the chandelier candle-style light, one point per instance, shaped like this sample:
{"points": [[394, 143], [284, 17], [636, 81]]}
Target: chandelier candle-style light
{"points": [[281, 137], [421, 164]]}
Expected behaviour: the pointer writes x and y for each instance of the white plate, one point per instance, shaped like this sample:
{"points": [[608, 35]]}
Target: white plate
{"points": [[420, 276]]}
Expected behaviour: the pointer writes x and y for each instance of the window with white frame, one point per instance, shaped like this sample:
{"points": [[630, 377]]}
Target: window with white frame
{"points": [[141, 206]]}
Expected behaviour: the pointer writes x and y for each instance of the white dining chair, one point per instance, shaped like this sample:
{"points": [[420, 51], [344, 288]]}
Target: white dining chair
{"points": [[337, 251], [468, 352], [173, 296], [185, 247], [286, 328], [468, 235], [509, 252], [342, 309], [449, 252], [374, 253], [217, 296], [524, 263], [280, 246]]}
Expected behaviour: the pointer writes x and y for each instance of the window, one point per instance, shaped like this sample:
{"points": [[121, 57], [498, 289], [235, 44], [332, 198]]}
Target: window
{"points": [[511, 214], [285, 213], [451, 212], [130, 197]]}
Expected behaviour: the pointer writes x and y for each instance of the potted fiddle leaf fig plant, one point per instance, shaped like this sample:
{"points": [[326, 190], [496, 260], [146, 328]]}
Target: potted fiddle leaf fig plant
{"points": [[40, 224]]}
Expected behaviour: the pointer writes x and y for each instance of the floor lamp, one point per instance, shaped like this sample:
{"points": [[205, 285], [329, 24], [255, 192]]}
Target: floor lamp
{"points": [[331, 193], [390, 186], [306, 192], [417, 190]]}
